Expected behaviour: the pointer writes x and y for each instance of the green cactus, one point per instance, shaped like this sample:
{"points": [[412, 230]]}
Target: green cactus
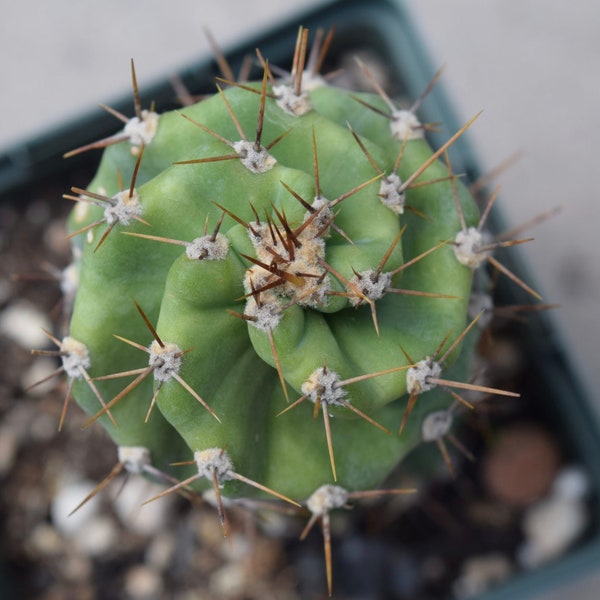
{"points": [[278, 250]]}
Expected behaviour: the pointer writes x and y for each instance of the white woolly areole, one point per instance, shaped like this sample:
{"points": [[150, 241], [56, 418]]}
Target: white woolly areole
{"points": [[467, 247], [406, 126], [134, 458], [290, 102], [318, 296], [257, 161], [265, 316], [258, 233], [326, 498], [165, 360], [142, 131], [417, 377], [436, 425], [323, 386], [325, 217], [75, 358], [391, 195], [372, 284], [214, 460], [256, 277], [208, 247], [297, 275], [124, 209]]}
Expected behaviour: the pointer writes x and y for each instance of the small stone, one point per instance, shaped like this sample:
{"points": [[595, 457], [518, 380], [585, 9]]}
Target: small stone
{"points": [[160, 550], [66, 499], [143, 583], [520, 468], [42, 427], [6, 290], [76, 567], [55, 237], [572, 483], [480, 573], [45, 541], [9, 445], [229, 581], [40, 371], [98, 537], [146, 520], [24, 323], [554, 524], [551, 527]]}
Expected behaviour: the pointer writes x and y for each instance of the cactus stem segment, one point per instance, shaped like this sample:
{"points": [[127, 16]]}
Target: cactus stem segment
{"points": [[371, 285], [139, 130], [215, 465], [121, 209], [288, 259], [324, 206], [319, 209], [207, 247], [472, 246], [76, 361], [292, 95], [392, 190], [404, 124], [327, 498], [165, 361], [265, 317], [325, 388], [416, 259], [425, 375], [252, 154]]}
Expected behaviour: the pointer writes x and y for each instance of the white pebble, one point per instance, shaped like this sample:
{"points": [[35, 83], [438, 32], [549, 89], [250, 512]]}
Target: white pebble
{"points": [[229, 581], [572, 483], [160, 550], [99, 535], [553, 524], [41, 368], [480, 573], [550, 527], [142, 583], [71, 493], [9, 444], [6, 290], [23, 322], [145, 520], [44, 540]]}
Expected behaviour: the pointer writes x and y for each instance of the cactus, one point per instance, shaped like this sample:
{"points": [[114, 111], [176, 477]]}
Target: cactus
{"points": [[280, 249]]}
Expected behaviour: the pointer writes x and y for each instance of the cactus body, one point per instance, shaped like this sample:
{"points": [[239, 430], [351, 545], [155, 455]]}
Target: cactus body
{"points": [[266, 276]]}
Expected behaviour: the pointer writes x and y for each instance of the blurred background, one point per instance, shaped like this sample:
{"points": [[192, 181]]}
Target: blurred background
{"points": [[531, 66]]}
